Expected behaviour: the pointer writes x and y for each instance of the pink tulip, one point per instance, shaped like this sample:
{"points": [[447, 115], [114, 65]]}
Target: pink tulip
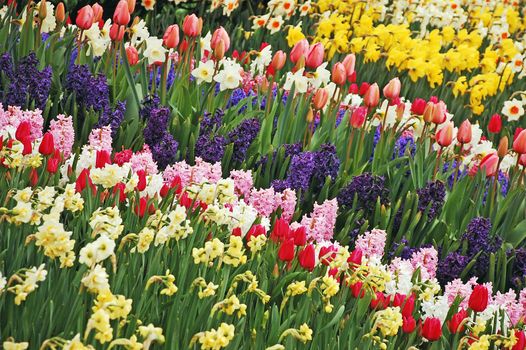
{"points": [[85, 18], [171, 36], [121, 16], [349, 61], [192, 26], [444, 136], [116, 32], [489, 164], [315, 56], [132, 55], [320, 98], [278, 61], [97, 12], [464, 132], [392, 89], [372, 96], [519, 144], [339, 74], [439, 112], [358, 117], [220, 34], [299, 50]]}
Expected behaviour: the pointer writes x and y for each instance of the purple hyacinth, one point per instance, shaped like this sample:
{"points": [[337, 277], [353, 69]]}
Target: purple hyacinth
{"points": [[237, 96], [148, 104], [164, 152], [518, 272], [301, 169], [90, 91], [210, 148], [156, 125], [326, 162], [113, 118], [368, 188], [451, 267], [431, 196], [290, 151], [242, 137], [404, 145], [477, 237]]}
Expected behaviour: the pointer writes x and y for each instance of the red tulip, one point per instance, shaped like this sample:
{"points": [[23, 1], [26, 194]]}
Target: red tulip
{"points": [[349, 62], [372, 96], [28, 147], [355, 257], [363, 88], [171, 36], [120, 188], [163, 192], [33, 177], [444, 136], [140, 209], [354, 89], [339, 75], [358, 117], [299, 50], [454, 325], [300, 236], [52, 165], [132, 55], [307, 257], [517, 132], [220, 34], [141, 184], [192, 25], [131, 5], [286, 250], [392, 89], [408, 325], [521, 340], [439, 113], [116, 32], [432, 329], [237, 232], [122, 157], [418, 106], [256, 230], [519, 144], [489, 164], [97, 12], [320, 98], [85, 17], [102, 158], [280, 231], [278, 61], [23, 131], [464, 132], [495, 124], [315, 56], [357, 290], [47, 145], [407, 304], [176, 183], [327, 254], [121, 16], [478, 300], [82, 180], [380, 302]]}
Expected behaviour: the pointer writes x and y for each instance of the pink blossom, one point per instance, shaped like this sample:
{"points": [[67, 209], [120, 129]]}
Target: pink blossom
{"points": [[288, 203], [265, 201], [320, 224], [143, 160], [203, 171], [427, 260], [457, 288], [100, 139], [508, 302], [63, 134], [181, 169], [14, 115], [372, 243], [243, 181]]}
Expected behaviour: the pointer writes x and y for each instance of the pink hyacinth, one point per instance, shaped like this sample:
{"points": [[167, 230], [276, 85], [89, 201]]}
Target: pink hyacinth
{"points": [[100, 139], [143, 160], [181, 169], [320, 224], [508, 302], [372, 243], [243, 181], [427, 260], [63, 134], [265, 201], [14, 115], [457, 288], [288, 204], [203, 171]]}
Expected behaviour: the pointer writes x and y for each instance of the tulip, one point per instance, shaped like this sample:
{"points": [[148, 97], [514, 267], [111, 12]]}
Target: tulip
{"points": [[141, 184], [380, 301], [338, 75], [314, 57], [82, 180], [220, 34], [454, 325], [307, 257], [42, 10], [121, 16], [219, 50], [191, 26], [521, 340], [357, 290], [519, 144], [354, 89], [33, 177], [464, 132], [503, 147], [280, 231], [358, 117], [320, 98], [171, 36], [278, 61], [286, 250], [132, 55], [97, 12], [372, 96], [176, 183], [400, 111], [47, 145], [60, 12], [355, 257], [102, 158], [406, 303], [116, 32], [409, 324], [363, 88], [489, 164], [429, 111], [478, 300], [131, 5], [28, 148], [164, 190], [120, 189], [140, 210], [256, 230], [432, 329], [444, 136], [439, 113], [52, 165], [300, 236], [327, 254], [85, 18], [418, 106], [392, 89], [299, 50], [349, 62], [23, 131], [495, 124]]}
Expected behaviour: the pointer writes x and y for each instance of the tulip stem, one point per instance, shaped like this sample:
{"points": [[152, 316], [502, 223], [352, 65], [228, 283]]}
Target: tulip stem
{"points": [[439, 155], [348, 153]]}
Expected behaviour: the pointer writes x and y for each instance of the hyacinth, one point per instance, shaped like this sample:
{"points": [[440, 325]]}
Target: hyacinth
{"points": [[288, 203], [165, 151], [425, 259], [113, 119], [211, 122], [451, 267], [320, 225], [14, 115], [149, 103], [368, 188], [404, 145], [236, 97], [27, 83], [326, 162], [243, 181], [210, 148], [100, 139], [519, 267], [157, 123], [90, 91], [372, 243], [478, 240], [198, 173], [432, 195], [63, 134], [264, 200], [290, 151], [508, 302], [300, 170], [143, 160], [242, 137]]}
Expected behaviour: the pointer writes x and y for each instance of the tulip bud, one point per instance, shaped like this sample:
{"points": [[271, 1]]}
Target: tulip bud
{"points": [[102, 158], [357, 290], [28, 147], [320, 98], [132, 55], [372, 96], [315, 56], [97, 12], [355, 257], [23, 131], [191, 26], [42, 10], [392, 89], [353, 89], [131, 6], [339, 75], [121, 16], [495, 124], [85, 17], [358, 117], [120, 189], [464, 132], [278, 61], [478, 300], [503, 147], [489, 164], [400, 110], [60, 13], [33, 177], [219, 50], [310, 116], [280, 231], [47, 145], [300, 236], [432, 329], [444, 136], [220, 34], [349, 61], [116, 32], [439, 113], [141, 184], [381, 302], [140, 210], [286, 250], [519, 145], [307, 257], [408, 325], [52, 165], [455, 324], [418, 106], [171, 36], [299, 50], [429, 111]]}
